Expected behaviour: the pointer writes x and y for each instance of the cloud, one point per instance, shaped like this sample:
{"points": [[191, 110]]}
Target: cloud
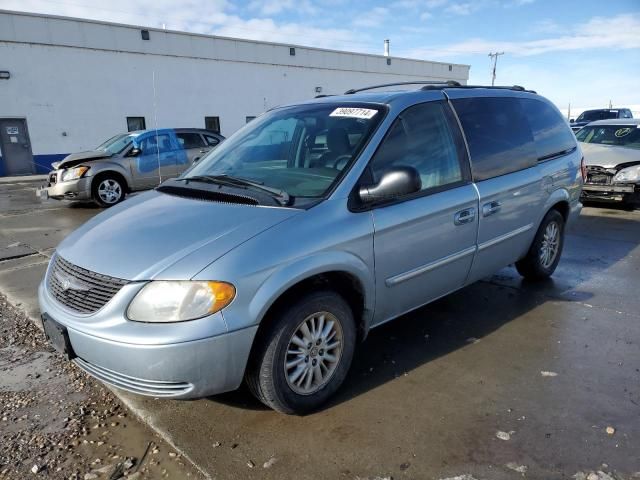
{"points": [[372, 18], [274, 7], [616, 33]]}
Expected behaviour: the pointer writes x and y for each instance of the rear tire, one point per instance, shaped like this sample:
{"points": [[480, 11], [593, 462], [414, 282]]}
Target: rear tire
{"points": [[545, 251], [303, 356], [108, 190]]}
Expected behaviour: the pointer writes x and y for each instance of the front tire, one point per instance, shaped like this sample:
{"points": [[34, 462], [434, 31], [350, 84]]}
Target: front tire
{"points": [[545, 251], [107, 191], [303, 356]]}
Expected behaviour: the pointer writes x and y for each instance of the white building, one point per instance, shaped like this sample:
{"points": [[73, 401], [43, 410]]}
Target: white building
{"points": [[68, 84]]}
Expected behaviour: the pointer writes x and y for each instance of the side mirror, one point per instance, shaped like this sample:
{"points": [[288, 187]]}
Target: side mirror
{"points": [[134, 152], [572, 120], [397, 182]]}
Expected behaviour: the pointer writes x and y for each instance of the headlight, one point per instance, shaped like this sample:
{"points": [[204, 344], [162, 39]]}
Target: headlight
{"points": [[73, 173], [629, 174], [168, 301]]}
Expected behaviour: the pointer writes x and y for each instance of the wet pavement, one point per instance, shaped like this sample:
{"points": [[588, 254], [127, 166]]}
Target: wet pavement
{"points": [[502, 379]]}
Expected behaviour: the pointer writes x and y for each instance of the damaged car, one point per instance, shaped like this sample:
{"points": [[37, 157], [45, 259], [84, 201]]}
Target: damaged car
{"points": [[126, 163], [612, 157]]}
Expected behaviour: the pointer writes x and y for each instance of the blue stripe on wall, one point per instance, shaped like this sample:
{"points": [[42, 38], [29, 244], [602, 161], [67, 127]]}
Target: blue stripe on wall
{"points": [[42, 163]]}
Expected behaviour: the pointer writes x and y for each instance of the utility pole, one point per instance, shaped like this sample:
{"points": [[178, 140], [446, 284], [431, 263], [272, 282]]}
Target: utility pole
{"points": [[494, 56]]}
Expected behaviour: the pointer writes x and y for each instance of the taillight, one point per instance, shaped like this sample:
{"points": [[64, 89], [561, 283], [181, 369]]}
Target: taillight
{"points": [[583, 169]]}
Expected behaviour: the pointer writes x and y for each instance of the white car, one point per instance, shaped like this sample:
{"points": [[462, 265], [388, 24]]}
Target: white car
{"points": [[612, 156]]}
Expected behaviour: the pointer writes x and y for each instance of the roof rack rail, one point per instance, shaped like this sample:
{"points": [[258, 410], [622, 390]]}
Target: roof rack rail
{"points": [[517, 88], [442, 84], [322, 95]]}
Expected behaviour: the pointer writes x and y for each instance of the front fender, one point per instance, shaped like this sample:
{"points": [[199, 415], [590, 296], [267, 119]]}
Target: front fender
{"points": [[97, 168], [303, 268]]}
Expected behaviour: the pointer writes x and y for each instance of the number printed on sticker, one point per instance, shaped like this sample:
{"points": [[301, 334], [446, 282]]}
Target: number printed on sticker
{"points": [[353, 112]]}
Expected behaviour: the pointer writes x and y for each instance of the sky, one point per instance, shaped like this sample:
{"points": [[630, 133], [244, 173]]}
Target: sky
{"points": [[580, 52]]}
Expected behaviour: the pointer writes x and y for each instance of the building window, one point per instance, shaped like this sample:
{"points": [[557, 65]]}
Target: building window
{"points": [[136, 123], [212, 123], [144, 34], [292, 51], [388, 61], [451, 68], [248, 119]]}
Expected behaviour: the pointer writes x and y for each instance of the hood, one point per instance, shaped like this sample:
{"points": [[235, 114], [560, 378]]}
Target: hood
{"points": [[80, 157], [160, 236], [608, 156]]}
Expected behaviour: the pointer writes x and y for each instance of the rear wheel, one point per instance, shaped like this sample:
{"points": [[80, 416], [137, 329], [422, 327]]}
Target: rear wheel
{"points": [[545, 251], [303, 357], [108, 190]]}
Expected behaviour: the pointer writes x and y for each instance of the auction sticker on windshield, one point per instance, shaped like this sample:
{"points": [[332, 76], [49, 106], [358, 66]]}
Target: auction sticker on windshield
{"points": [[352, 112]]}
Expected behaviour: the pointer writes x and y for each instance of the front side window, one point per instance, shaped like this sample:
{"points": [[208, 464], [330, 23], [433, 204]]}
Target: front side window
{"points": [[420, 138], [551, 133], [154, 144], [498, 133], [619, 135], [279, 149]]}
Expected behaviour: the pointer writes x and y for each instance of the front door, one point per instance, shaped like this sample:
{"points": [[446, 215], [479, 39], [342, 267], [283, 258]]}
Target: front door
{"points": [[424, 244], [15, 147], [157, 159]]}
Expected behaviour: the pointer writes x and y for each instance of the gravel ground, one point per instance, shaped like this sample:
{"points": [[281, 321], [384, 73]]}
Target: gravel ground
{"points": [[58, 423]]}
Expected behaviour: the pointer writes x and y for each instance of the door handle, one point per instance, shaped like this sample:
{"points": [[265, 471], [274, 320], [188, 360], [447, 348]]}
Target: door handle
{"points": [[491, 208], [465, 216], [204, 150]]}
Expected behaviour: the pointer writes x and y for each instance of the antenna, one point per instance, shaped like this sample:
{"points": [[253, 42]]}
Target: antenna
{"points": [[494, 56], [155, 120]]}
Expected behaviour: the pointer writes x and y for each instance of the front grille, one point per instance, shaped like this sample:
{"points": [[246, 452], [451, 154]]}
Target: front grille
{"points": [[152, 388], [599, 176], [81, 290]]}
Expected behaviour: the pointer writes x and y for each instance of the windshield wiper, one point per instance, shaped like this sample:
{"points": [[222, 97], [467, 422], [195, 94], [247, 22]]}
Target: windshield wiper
{"points": [[223, 179]]}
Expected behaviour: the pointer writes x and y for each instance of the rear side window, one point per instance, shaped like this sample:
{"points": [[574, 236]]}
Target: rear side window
{"points": [[189, 140], [551, 133], [498, 134]]}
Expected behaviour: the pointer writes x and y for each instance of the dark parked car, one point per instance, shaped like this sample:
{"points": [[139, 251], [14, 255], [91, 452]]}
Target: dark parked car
{"points": [[589, 116]]}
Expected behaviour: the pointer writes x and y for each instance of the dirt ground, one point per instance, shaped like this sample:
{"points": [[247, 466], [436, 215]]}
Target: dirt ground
{"points": [[58, 423]]}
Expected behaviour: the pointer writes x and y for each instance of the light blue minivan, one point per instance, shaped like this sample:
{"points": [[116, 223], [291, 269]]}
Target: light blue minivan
{"points": [[270, 258]]}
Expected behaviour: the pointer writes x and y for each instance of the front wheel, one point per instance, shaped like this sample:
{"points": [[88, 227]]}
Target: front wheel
{"points": [[107, 191], [303, 356], [544, 253]]}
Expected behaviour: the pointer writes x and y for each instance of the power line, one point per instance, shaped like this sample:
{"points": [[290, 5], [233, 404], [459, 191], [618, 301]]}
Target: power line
{"points": [[494, 56]]}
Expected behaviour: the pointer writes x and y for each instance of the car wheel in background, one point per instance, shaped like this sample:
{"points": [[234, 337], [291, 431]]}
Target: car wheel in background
{"points": [[107, 190], [304, 354], [544, 253]]}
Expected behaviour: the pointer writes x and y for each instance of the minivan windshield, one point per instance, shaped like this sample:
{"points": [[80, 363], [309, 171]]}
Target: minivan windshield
{"points": [[620, 135], [300, 151], [116, 144]]}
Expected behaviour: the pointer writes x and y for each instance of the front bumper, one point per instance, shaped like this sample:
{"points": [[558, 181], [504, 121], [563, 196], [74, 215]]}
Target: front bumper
{"points": [[616, 193], [79, 189], [179, 369]]}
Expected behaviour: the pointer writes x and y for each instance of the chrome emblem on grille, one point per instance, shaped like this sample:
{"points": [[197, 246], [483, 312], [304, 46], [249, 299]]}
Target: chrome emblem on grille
{"points": [[67, 282]]}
